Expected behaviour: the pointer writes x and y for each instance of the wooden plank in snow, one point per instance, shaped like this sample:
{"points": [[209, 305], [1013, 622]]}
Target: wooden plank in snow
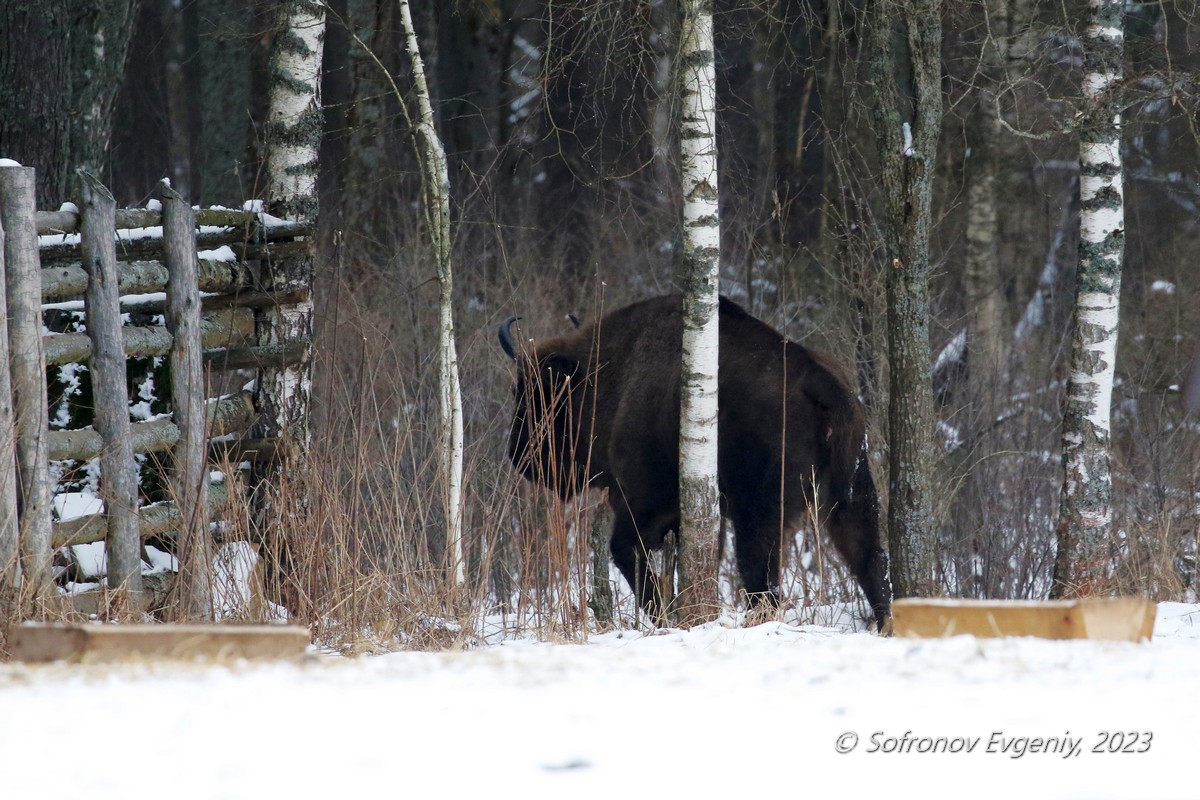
{"points": [[90, 643], [1108, 619]]}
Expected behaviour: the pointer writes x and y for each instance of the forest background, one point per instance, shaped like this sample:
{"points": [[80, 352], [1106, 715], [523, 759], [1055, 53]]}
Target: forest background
{"points": [[559, 120]]}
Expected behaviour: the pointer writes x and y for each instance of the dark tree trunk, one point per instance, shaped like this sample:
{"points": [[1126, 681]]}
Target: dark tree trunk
{"points": [[101, 31], [908, 112], [34, 82]]}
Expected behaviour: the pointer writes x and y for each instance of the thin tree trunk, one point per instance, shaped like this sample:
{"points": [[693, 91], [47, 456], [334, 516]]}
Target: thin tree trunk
{"points": [[179, 104], [118, 470], [908, 113], [600, 599], [369, 128], [700, 514], [986, 334], [660, 96], [840, 220], [1083, 564], [985, 309], [435, 194]]}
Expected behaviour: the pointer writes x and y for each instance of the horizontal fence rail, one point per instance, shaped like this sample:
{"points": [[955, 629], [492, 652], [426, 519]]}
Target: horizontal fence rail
{"points": [[188, 297]]}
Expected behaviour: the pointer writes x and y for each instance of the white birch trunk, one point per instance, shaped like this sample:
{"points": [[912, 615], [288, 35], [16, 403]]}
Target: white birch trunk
{"points": [[435, 193], [700, 515], [295, 116], [293, 138], [1084, 564]]}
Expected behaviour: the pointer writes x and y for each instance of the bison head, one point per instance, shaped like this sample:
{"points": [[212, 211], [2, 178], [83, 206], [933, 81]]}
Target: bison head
{"points": [[543, 440]]}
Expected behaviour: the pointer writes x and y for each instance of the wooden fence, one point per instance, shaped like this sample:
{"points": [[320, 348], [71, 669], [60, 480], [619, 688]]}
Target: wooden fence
{"points": [[188, 287]]}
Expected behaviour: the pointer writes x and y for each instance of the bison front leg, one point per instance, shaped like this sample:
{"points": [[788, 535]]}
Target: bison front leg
{"points": [[631, 546], [855, 533]]}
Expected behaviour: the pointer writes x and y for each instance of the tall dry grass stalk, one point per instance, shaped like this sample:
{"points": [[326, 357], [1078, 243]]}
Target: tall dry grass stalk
{"points": [[364, 562]]}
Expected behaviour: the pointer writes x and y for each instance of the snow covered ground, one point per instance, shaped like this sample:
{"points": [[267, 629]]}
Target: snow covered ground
{"points": [[714, 712]]}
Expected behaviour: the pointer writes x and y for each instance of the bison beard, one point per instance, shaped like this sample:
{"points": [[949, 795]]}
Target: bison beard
{"points": [[600, 407]]}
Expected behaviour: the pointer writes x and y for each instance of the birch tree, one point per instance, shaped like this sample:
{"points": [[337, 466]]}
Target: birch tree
{"points": [[435, 203], [700, 514], [906, 41], [1083, 564], [435, 197], [293, 136], [101, 31]]}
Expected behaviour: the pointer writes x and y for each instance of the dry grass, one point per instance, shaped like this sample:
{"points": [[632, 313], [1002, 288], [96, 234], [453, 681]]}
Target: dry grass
{"points": [[364, 555]]}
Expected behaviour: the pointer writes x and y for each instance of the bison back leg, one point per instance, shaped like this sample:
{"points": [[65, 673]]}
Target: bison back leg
{"points": [[756, 547], [750, 476]]}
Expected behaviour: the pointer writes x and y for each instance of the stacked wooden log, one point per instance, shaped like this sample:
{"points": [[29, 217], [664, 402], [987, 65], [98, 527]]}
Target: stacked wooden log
{"points": [[195, 275]]}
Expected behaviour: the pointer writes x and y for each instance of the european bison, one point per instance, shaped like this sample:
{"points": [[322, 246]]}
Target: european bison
{"points": [[600, 407]]}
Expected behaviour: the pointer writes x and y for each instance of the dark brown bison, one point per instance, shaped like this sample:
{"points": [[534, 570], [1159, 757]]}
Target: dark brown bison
{"points": [[600, 407]]}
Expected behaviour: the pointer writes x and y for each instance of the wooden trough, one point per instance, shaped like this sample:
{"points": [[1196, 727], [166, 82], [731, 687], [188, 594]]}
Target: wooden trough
{"points": [[1122, 619], [90, 644]]}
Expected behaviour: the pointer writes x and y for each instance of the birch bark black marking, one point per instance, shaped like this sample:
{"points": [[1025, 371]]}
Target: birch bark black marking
{"points": [[700, 515], [293, 136], [1083, 563], [435, 196]]}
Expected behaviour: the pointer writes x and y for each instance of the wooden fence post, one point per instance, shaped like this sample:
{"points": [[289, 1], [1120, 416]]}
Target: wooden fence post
{"points": [[102, 307], [23, 275], [189, 481], [10, 574]]}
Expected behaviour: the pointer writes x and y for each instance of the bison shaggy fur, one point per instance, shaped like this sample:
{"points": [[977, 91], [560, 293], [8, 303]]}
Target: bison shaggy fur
{"points": [[600, 407]]}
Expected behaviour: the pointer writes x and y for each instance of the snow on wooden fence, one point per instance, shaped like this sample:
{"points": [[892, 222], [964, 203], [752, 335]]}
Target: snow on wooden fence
{"points": [[96, 286]]}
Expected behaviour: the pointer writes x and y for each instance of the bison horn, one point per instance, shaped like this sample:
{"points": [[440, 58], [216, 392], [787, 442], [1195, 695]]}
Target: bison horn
{"points": [[574, 320], [506, 338]]}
